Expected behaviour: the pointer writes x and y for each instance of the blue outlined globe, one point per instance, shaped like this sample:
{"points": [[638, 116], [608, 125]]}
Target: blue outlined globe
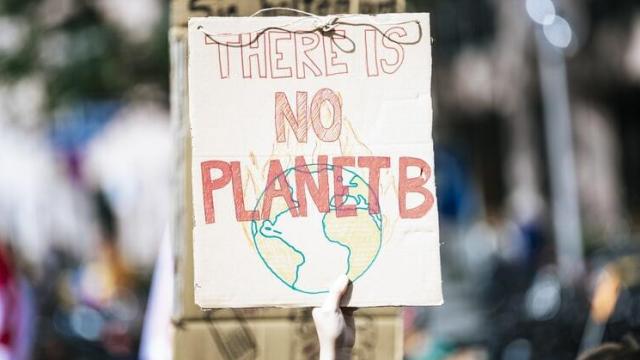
{"points": [[307, 253]]}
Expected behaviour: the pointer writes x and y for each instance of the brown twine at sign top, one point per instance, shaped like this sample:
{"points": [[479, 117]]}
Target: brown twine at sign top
{"points": [[325, 25]]}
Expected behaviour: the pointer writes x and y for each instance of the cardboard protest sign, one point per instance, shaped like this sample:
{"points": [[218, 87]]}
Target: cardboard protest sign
{"points": [[312, 156]]}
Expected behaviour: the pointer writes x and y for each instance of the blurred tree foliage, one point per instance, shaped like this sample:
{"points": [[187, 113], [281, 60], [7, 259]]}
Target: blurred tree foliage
{"points": [[94, 59]]}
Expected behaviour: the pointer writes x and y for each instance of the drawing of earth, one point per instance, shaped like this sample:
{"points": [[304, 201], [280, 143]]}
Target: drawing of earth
{"points": [[297, 249]]}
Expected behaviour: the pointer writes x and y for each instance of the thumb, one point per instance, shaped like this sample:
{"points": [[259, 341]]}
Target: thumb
{"points": [[339, 287]]}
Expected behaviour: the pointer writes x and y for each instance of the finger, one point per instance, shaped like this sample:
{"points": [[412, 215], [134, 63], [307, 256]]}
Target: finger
{"points": [[349, 320], [348, 316], [348, 311], [338, 289]]}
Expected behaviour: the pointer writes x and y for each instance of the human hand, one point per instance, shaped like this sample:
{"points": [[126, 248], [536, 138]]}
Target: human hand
{"points": [[335, 326]]}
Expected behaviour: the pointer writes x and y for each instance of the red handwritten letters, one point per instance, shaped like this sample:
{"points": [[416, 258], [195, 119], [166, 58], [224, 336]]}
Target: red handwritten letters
{"points": [[277, 183], [303, 118], [278, 54], [279, 187]]}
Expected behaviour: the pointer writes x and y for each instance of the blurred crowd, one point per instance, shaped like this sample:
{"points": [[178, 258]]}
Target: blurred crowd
{"points": [[86, 157], [85, 148], [506, 74]]}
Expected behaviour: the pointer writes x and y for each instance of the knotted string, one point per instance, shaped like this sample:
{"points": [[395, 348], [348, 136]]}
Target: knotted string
{"points": [[325, 25]]}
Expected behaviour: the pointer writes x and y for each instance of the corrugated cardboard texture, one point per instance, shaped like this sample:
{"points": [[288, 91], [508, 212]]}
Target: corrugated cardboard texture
{"points": [[377, 337], [182, 220], [182, 10]]}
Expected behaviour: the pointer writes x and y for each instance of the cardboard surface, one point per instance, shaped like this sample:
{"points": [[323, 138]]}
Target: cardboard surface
{"points": [[182, 10], [312, 156], [378, 337], [280, 313], [182, 220], [182, 224], [185, 306]]}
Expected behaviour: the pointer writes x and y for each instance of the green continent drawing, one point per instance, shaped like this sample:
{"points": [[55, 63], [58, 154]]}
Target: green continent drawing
{"points": [[296, 250]]}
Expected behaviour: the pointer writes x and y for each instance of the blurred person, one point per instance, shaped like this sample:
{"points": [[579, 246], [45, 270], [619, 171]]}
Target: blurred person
{"points": [[107, 284], [99, 309], [613, 326], [102, 278], [130, 161]]}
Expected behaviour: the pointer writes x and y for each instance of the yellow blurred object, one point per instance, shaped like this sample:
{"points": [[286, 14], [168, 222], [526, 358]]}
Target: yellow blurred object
{"points": [[103, 278], [605, 295]]}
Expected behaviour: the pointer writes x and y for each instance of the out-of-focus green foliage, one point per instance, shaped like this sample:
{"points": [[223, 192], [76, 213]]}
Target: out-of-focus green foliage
{"points": [[98, 61], [17, 6]]}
